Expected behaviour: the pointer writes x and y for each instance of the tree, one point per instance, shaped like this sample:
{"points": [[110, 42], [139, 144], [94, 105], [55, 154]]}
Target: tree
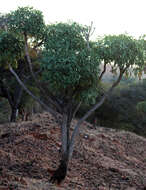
{"points": [[12, 53], [70, 70], [72, 78]]}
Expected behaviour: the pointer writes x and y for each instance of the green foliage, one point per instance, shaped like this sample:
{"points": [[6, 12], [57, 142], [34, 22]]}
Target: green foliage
{"points": [[121, 51], [141, 107], [68, 65], [26, 20], [10, 48]]}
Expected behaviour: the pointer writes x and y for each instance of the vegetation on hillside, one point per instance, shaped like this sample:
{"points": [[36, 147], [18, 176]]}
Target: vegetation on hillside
{"points": [[59, 67]]}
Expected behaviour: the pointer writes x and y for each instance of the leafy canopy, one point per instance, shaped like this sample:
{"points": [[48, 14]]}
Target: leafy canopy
{"points": [[68, 65], [11, 47], [23, 21], [120, 50], [26, 20]]}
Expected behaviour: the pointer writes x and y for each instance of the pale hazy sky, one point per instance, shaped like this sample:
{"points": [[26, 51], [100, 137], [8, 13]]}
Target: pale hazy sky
{"points": [[108, 16]]}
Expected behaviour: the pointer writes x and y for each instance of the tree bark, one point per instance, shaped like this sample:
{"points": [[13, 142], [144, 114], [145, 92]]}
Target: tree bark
{"points": [[14, 112], [102, 73], [64, 133], [16, 103], [61, 172]]}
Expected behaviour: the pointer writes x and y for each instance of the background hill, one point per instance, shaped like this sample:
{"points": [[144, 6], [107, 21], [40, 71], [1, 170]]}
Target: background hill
{"points": [[104, 159]]}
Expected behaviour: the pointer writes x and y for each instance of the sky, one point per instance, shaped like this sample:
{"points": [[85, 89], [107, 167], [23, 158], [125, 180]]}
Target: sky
{"points": [[108, 16]]}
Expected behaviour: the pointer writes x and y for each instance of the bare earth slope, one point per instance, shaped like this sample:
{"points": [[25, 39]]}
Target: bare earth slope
{"points": [[104, 159]]}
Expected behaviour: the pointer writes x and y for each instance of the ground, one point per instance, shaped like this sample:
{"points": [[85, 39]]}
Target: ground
{"points": [[104, 159]]}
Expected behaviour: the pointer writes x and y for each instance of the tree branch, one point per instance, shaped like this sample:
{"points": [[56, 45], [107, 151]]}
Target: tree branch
{"points": [[95, 107], [88, 34], [76, 109], [122, 71], [102, 73], [39, 44], [28, 57], [50, 99], [50, 110]]}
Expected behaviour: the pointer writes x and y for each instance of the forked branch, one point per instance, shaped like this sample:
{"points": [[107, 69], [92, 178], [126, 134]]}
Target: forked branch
{"points": [[95, 107], [88, 33], [104, 70]]}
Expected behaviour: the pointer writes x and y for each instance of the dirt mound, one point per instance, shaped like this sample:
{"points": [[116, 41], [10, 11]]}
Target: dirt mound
{"points": [[104, 159]]}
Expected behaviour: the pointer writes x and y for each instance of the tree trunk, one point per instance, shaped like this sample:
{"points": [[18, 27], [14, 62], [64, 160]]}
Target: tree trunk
{"points": [[61, 172], [16, 98], [13, 115]]}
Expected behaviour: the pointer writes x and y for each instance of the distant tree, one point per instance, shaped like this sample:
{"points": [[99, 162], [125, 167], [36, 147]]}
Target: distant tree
{"points": [[121, 53], [70, 70]]}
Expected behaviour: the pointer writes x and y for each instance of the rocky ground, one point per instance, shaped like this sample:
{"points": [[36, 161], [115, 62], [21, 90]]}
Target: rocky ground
{"points": [[104, 159]]}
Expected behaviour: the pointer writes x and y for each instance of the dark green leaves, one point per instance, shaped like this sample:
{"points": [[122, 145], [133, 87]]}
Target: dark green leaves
{"points": [[10, 47], [67, 63], [26, 20]]}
